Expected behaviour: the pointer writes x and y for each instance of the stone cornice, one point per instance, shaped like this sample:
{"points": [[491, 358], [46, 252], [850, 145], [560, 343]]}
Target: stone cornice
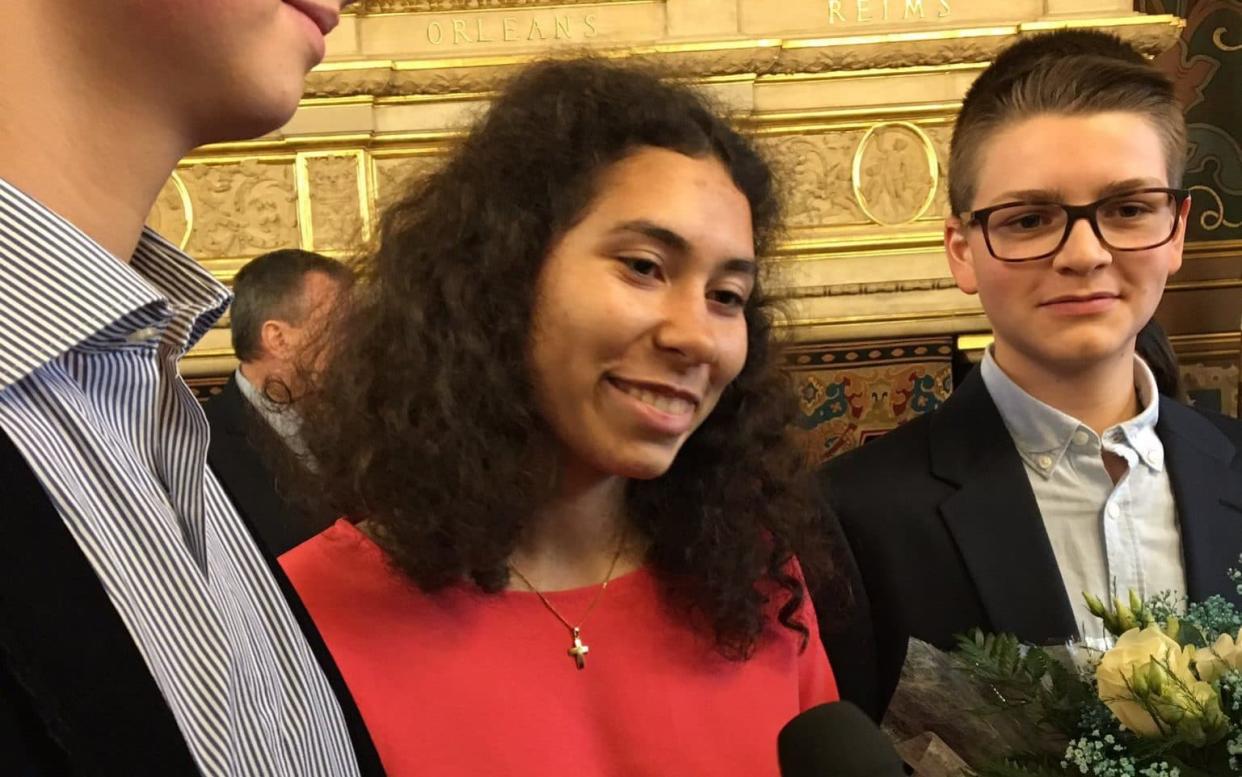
{"points": [[703, 60]]}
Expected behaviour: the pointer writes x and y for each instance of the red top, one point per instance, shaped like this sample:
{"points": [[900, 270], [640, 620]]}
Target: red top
{"points": [[471, 684]]}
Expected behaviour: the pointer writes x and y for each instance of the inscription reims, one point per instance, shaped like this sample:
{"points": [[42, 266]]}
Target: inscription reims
{"points": [[864, 11]]}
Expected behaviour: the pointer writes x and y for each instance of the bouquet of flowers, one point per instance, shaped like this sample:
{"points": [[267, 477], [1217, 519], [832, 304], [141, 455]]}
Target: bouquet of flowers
{"points": [[1162, 698]]}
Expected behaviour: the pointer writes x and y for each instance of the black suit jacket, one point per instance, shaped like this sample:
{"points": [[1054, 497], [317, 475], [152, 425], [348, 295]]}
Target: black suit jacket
{"points": [[945, 533], [241, 442], [76, 696]]}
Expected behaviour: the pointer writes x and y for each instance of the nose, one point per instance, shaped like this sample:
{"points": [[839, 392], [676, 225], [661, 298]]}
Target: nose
{"points": [[1083, 252], [687, 330]]}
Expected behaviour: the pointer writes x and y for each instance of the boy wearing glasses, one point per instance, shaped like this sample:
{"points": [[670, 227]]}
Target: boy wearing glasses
{"points": [[1054, 469]]}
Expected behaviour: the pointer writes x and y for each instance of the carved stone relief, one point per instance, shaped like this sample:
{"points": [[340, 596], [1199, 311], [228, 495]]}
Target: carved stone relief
{"points": [[940, 137], [241, 209], [815, 171], [336, 207], [394, 175], [895, 173], [173, 214], [892, 173], [250, 206]]}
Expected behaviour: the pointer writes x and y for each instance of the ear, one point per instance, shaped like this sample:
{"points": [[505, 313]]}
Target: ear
{"points": [[961, 256], [274, 337], [1178, 244]]}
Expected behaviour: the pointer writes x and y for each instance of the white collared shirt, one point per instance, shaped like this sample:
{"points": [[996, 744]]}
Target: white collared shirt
{"points": [[1106, 537], [283, 418]]}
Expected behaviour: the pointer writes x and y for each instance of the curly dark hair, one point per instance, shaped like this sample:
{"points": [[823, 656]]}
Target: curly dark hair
{"points": [[423, 420]]}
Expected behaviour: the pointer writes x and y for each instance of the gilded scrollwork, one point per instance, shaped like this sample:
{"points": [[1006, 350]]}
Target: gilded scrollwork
{"points": [[1218, 38], [1212, 217], [242, 208]]}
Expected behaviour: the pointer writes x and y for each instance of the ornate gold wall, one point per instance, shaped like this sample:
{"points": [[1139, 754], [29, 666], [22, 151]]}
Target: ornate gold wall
{"points": [[854, 100]]}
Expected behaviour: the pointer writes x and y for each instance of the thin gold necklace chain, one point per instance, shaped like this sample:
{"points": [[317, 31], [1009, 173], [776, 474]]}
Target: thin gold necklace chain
{"points": [[600, 595]]}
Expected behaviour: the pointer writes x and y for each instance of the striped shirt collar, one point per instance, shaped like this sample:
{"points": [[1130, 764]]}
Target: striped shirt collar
{"points": [[84, 297], [1040, 430]]}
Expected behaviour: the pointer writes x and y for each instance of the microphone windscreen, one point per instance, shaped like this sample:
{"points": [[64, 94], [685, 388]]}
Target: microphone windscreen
{"points": [[836, 739]]}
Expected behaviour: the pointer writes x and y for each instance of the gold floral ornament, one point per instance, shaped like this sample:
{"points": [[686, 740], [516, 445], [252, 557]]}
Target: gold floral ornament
{"points": [[1147, 681]]}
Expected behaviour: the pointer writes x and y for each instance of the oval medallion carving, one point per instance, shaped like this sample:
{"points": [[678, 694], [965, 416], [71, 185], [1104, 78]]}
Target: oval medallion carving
{"points": [[895, 173]]}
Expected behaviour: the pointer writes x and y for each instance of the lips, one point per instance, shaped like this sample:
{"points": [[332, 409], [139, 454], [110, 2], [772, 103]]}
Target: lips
{"points": [[1081, 304], [1078, 298], [672, 400], [326, 19]]}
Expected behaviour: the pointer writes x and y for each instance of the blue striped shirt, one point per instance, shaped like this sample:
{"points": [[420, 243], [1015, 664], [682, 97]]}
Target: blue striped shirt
{"points": [[91, 396]]}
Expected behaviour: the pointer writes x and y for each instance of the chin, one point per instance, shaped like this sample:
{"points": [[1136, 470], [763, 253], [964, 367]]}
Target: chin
{"points": [[262, 111], [1083, 352], [639, 467], [642, 470]]}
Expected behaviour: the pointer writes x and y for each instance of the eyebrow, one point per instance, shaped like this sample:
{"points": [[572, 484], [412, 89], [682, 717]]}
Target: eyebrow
{"points": [[679, 244], [1055, 195]]}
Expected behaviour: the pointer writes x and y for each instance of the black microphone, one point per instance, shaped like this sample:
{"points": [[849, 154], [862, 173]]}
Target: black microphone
{"points": [[836, 740]]}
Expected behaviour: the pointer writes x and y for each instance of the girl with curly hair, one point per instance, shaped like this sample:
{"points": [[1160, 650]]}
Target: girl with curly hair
{"points": [[552, 404]]}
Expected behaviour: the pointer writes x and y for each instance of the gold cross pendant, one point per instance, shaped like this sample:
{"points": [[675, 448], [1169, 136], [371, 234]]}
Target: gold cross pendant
{"points": [[578, 651]]}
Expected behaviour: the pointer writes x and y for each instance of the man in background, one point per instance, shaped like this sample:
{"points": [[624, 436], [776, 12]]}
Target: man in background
{"points": [[279, 301]]}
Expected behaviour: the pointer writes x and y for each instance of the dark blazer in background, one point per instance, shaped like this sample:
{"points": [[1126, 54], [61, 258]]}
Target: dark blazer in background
{"points": [[945, 533], [242, 441], [76, 696]]}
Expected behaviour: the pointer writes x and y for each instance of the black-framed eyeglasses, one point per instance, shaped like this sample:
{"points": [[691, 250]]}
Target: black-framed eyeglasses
{"points": [[1029, 231]]}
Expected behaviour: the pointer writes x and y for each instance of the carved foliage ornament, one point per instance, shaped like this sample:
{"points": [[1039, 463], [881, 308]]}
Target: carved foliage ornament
{"points": [[242, 208]]}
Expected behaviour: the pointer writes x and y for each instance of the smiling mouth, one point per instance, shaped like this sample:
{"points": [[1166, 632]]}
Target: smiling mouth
{"points": [[662, 398]]}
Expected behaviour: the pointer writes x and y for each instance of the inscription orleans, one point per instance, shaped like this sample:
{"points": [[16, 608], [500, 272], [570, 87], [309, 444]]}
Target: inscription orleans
{"points": [[485, 28], [489, 28], [863, 11]]}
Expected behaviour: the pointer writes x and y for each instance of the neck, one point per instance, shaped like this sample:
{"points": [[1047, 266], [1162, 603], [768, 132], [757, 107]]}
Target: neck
{"points": [[1099, 395], [81, 144], [254, 373], [574, 538]]}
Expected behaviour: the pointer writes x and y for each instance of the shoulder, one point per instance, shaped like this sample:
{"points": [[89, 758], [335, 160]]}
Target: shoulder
{"points": [[905, 443], [338, 559], [224, 405], [1230, 427], [874, 473], [1199, 424]]}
